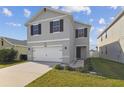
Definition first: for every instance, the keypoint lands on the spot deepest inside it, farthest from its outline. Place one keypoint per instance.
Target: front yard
(57, 78)
(109, 73)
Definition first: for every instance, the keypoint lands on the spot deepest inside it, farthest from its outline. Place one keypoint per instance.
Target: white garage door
(47, 54)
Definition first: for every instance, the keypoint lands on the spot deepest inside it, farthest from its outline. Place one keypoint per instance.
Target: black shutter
(51, 27)
(61, 25)
(39, 28)
(31, 29)
(76, 33)
(85, 32)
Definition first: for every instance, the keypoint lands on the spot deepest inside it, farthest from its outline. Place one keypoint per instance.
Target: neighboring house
(94, 53)
(19, 45)
(53, 35)
(111, 40)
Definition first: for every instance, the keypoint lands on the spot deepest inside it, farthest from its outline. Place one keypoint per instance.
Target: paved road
(21, 74)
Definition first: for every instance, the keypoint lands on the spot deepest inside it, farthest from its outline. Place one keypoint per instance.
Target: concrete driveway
(21, 74)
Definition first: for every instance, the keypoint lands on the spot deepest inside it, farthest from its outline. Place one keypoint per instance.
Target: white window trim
(36, 35)
(56, 32)
(56, 26)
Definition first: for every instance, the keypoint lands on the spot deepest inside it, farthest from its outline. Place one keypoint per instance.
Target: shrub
(90, 68)
(69, 68)
(59, 67)
(88, 65)
(81, 69)
(7, 55)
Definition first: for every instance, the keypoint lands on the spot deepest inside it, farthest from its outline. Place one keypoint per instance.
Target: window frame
(36, 29)
(57, 26)
(80, 32)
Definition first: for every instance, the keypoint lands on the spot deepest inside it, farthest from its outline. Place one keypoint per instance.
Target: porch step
(79, 63)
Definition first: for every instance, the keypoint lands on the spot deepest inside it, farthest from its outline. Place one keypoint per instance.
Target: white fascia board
(48, 46)
(66, 39)
(82, 45)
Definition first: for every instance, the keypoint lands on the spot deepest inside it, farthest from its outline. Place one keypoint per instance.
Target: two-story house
(111, 40)
(53, 35)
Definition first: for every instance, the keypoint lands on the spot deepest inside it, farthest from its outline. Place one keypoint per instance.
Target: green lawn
(108, 68)
(109, 73)
(10, 64)
(57, 78)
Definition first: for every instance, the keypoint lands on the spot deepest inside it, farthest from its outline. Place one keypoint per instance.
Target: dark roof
(113, 22)
(15, 41)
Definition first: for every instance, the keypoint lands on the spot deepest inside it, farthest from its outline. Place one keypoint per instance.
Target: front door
(78, 52)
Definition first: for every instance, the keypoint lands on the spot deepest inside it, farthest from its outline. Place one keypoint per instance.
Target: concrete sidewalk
(21, 74)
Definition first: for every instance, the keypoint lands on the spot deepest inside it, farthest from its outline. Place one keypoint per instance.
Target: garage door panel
(47, 54)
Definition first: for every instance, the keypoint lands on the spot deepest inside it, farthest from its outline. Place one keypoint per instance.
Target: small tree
(7, 55)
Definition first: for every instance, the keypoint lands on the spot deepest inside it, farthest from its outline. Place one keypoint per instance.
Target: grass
(109, 74)
(108, 68)
(57, 78)
(3, 65)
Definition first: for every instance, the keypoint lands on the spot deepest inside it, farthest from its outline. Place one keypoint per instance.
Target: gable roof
(15, 42)
(77, 22)
(54, 10)
(47, 8)
(113, 22)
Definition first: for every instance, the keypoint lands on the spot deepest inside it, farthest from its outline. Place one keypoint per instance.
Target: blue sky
(12, 19)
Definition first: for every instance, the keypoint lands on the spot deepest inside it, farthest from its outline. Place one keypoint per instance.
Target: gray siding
(45, 31)
(66, 38)
(114, 42)
(83, 41)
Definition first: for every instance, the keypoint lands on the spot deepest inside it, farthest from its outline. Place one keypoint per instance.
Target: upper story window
(56, 26)
(81, 32)
(36, 29)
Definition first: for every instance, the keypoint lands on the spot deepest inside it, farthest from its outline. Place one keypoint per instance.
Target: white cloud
(27, 13)
(102, 21)
(7, 12)
(55, 7)
(91, 41)
(114, 7)
(111, 18)
(13, 24)
(91, 20)
(71, 9)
